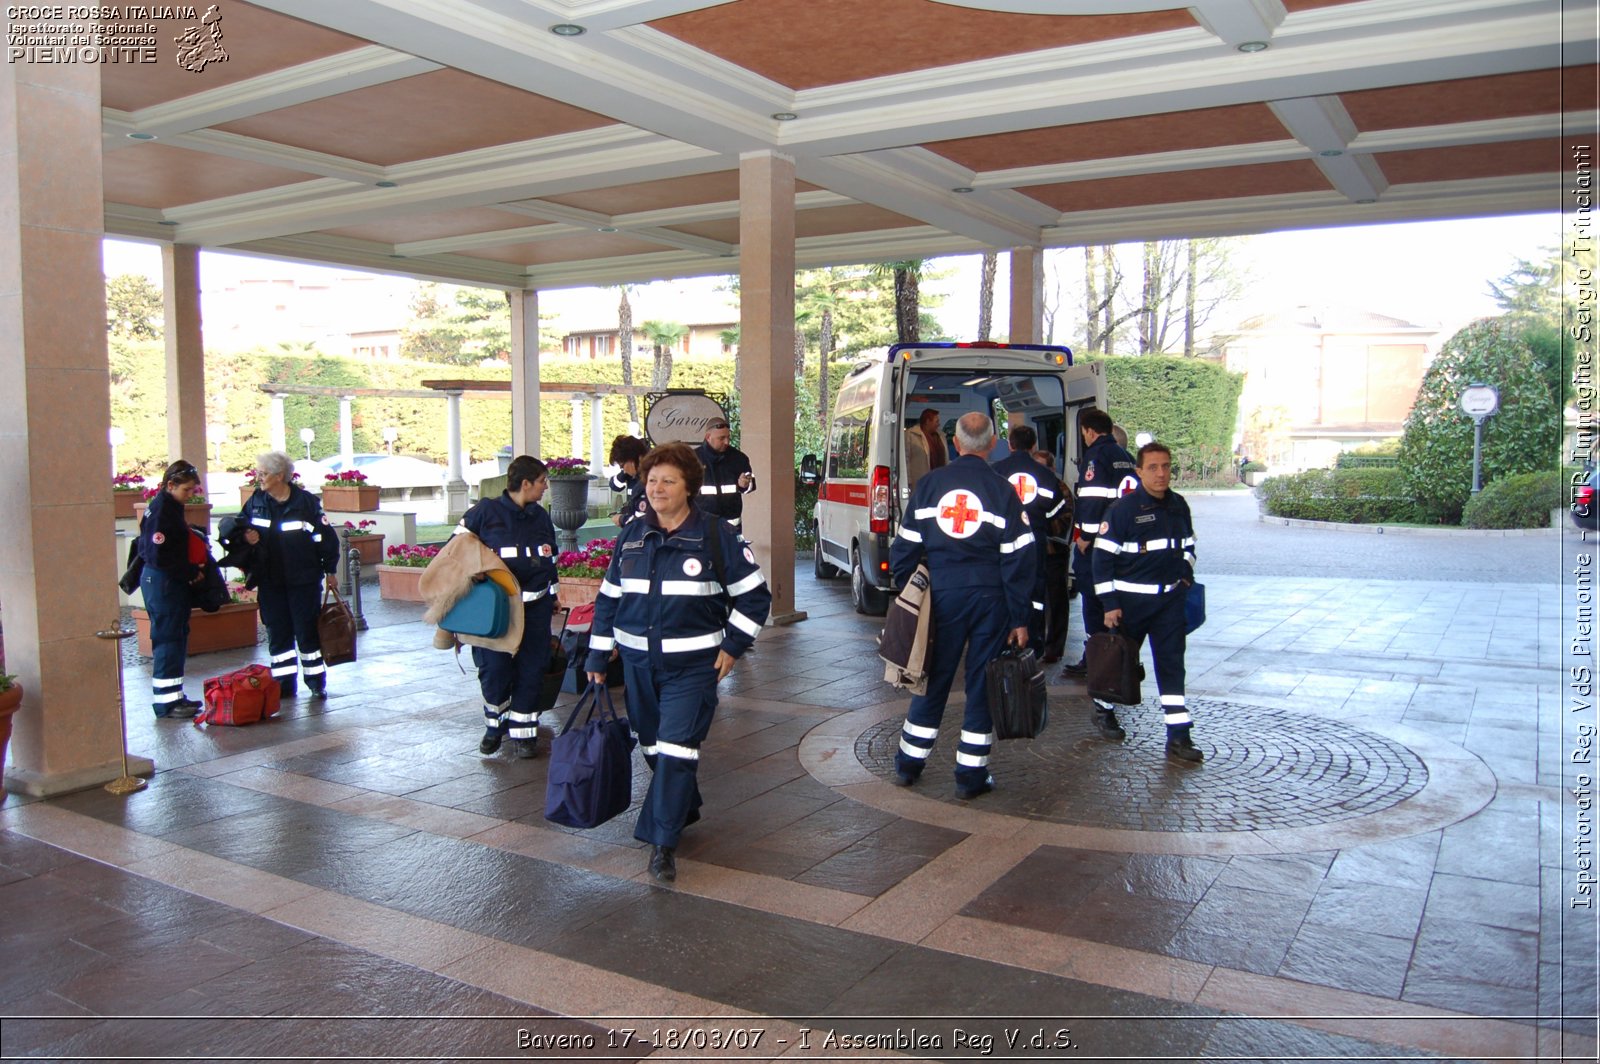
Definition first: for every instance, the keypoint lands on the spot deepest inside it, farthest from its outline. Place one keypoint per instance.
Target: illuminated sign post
(1479, 401)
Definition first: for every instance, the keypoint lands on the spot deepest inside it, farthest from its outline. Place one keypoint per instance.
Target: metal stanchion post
(353, 567)
(344, 564)
(127, 783)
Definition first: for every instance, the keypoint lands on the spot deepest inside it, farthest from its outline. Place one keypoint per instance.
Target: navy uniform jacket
(298, 545)
(1107, 476)
(1038, 489)
(720, 494)
(633, 489)
(965, 519)
(523, 536)
(661, 596)
(164, 538)
(1145, 548)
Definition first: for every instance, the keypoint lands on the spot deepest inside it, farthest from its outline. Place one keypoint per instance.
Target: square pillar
(58, 563)
(1027, 295)
(766, 354)
(525, 372)
(186, 355)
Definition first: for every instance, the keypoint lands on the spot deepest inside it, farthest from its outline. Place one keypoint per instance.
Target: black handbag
(591, 765)
(129, 581)
(1019, 707)
(1114, 672)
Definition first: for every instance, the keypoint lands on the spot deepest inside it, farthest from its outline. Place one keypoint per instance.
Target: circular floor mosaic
(1264, 769)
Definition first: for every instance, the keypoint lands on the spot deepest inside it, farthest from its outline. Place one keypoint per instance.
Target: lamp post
(306, 436)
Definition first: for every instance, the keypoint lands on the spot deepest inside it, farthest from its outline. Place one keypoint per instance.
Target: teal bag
(485, 611)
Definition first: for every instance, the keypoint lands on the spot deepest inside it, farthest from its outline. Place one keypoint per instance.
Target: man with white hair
(964, 520)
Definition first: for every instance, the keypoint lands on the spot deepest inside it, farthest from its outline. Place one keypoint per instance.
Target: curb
(1404, 530)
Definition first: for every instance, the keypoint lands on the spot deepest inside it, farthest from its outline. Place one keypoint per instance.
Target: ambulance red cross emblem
(960, 515)
(1027, 487)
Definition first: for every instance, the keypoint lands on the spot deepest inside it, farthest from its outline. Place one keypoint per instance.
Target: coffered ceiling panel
(161, 177)
(1225, 182)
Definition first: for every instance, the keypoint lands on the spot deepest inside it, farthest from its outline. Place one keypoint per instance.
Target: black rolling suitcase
(1114, 672)
(1018, 706)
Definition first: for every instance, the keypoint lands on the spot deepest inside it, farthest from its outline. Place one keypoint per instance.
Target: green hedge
(1356, 496)
(1521, 501)
(1188, 404)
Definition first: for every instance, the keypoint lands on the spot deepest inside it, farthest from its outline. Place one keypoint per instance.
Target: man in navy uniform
(728, 478)
(965, 521)
(1143, 567)
(1042, 498)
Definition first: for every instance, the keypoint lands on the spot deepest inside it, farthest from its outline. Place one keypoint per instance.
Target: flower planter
(245, 491)
(577, 590)
(349, 498)
(399, 582)
(10, 702)
(123, 503)
(231, 627)
(194, 513)
(569, 507)
(369, 547)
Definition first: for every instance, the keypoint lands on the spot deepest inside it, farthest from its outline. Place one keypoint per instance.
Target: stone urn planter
(400, 582)
(569, 507)
(231, 627)
(349, 498)
(123, 503)
(577, 590)
(194, 513)
(10, 702)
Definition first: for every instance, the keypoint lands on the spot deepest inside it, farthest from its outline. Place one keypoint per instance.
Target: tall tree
(1191, 267)
(625, 348)
(991, 263)
(463, 327)
(664, 336)
(134, 308)
(907, 276)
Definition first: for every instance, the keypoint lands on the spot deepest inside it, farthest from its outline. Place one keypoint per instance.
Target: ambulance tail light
(878, 501)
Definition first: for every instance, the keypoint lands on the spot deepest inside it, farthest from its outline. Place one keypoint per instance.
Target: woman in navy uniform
(1143, 567)
(683, 599)
(1042, 497)
(517, 528)
(296, 553)
(625, 454)
(174, 566)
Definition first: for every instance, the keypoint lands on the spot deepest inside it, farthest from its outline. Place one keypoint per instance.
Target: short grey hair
(974, 432)
(275, 462)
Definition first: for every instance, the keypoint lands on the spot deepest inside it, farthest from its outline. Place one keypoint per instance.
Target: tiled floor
(359, 861)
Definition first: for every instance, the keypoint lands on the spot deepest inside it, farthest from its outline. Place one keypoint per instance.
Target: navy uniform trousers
(167, 601)
(1094, 613)
(290, 613)
(973, 618)
(670, 710)
(1160, 617)
(511, 683)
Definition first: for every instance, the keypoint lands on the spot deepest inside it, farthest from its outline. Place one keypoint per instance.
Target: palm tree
(907, 300)
(991, 262)
(665, 335)
(625, 348)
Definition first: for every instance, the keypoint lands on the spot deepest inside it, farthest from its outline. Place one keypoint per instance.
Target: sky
(1428, 273)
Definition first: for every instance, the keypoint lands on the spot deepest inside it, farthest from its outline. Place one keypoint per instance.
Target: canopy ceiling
(520, 158)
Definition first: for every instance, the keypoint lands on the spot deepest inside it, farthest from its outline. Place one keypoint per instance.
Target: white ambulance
(867, 475)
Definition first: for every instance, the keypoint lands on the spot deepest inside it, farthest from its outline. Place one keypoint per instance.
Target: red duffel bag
(243, 696)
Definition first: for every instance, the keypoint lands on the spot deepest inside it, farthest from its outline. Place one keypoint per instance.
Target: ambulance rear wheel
(821, 568)
(867, 599)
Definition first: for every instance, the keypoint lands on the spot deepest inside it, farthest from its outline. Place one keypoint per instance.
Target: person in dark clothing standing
(1106, 474)
(1057, 568)
(296, 553)
(728, 478)
(517, 528)
(625, 454)
(174, 565)
(1042, 498)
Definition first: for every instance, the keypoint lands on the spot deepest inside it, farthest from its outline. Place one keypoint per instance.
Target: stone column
(1027, 295)
(525, 372)
(766, 353)
(58, 561)
(597, 435)
(280, 434)
(347, 447)
(186, 355)
(577, 426)
(455, 487)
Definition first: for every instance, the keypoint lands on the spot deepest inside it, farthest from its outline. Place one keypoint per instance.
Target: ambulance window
(847, 446)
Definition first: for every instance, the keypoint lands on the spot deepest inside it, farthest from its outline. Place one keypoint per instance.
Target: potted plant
(581, 572)
(248, 488)
(368, 544)
(10, 702)
(349, 492)
(127, 489)
(401, 572)
(197, 511)
(569, 496)
(233, 626)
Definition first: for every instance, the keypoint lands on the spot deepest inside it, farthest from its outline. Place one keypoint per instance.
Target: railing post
(353, 567)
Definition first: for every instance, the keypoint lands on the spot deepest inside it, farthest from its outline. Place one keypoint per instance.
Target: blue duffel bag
(1194, 608)
(485, 611)
(591, 765)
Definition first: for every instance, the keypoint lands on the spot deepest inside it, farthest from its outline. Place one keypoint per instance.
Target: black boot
(526, 749)
(663, 863)
(490, 741)
(1181, 748)
(1105, 722)
(1075, 671)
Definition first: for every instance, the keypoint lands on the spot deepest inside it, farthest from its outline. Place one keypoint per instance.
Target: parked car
(335, 463)
(1586, 502)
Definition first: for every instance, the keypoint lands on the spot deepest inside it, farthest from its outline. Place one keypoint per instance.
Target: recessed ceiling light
(606, 229)
(1367, 200)
(397, 256)
(784, 116)
(166, 222)
(141, 136)
(1253, 46)
(1049, 225)
(963, 189)
(1331, 153)
(568, 29)
(387, 184)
